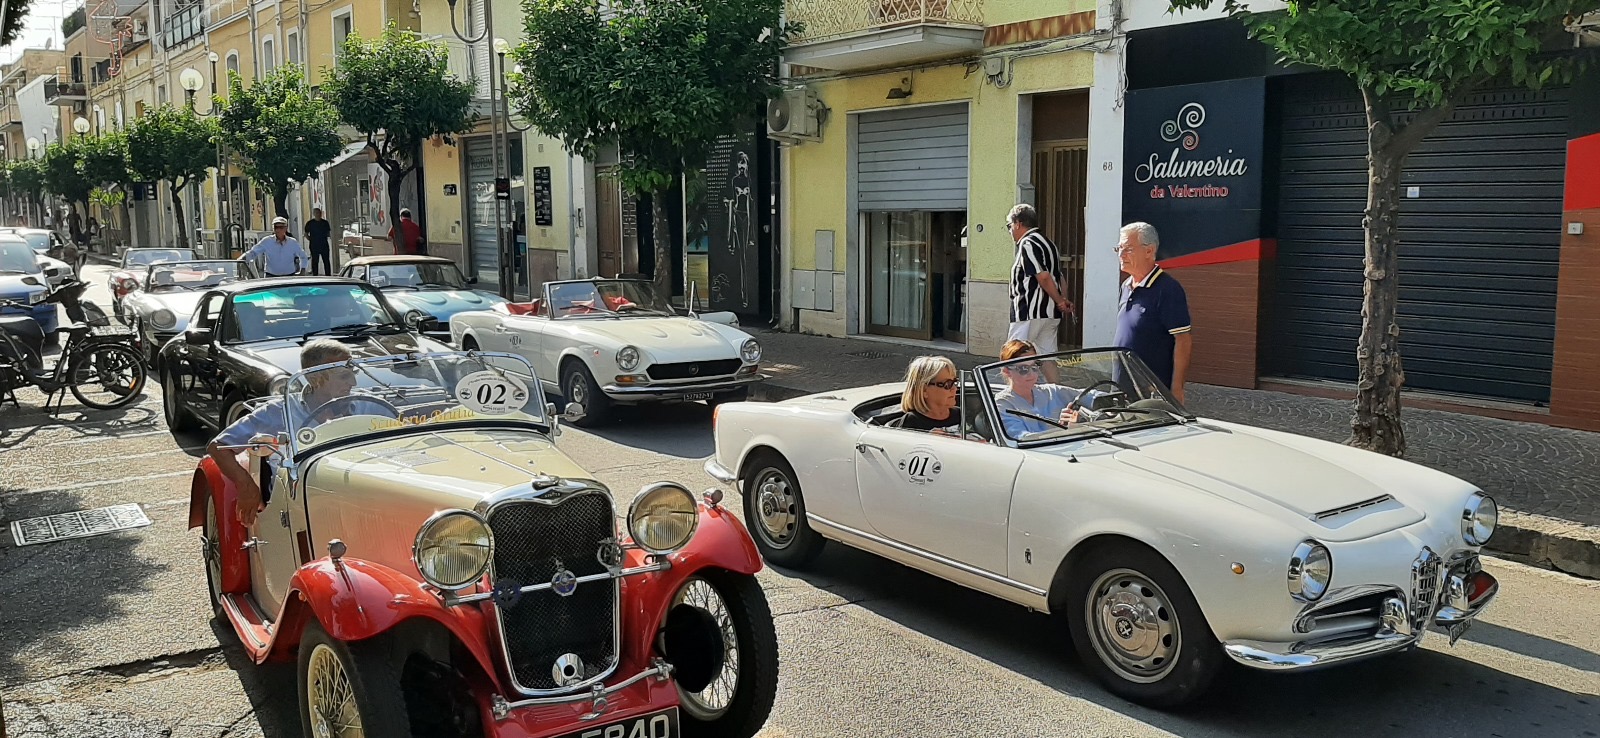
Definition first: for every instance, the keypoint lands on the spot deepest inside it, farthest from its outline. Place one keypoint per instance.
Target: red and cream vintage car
(437, 567)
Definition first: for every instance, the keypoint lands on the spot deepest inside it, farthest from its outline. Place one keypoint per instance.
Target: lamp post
(507, 254)
(34, 149)
(191, 80)
(80, 125)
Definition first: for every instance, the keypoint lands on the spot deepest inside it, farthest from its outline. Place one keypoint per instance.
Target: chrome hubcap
(577, 390)
(330, 697)
(713, 701)
(1132, 626)
(777, 508)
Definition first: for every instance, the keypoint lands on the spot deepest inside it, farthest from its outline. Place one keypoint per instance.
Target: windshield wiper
(356, 329)
(1040, 418)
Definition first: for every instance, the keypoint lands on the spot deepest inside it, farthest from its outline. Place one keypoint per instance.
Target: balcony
(57, 92)
(470, 63)
(10, 116)
(849, 35)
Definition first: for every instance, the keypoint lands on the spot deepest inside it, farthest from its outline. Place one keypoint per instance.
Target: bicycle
(97, 363)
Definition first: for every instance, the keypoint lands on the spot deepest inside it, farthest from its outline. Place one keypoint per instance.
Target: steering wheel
(331, 409)
(1077, 402)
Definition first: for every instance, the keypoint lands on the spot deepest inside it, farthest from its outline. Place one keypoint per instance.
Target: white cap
(280, 221)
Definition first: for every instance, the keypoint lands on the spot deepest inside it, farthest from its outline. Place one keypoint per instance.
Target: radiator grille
(694, 369)
(1424, 588)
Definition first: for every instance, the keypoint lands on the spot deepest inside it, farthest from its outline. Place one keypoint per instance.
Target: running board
(253, 627)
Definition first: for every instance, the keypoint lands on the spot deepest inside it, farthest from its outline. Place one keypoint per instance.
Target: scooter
(102, 368)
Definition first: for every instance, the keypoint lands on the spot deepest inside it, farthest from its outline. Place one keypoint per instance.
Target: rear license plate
(662, 724)
(692, 396)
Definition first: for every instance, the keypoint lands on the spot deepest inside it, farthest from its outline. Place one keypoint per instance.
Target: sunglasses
(946, 384)
(1026, 369)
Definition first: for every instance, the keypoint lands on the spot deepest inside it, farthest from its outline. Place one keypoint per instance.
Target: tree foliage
(658, 80)
(398, 91)
(16, 18)
(104, 160)
(27, 178)
(176, 146)
(1413, 61)
(279, 131)
(63, 171)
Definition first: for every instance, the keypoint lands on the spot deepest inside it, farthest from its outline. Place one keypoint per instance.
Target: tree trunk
(177, 212)
(1376, 425)
(397, 181)
(661, 234)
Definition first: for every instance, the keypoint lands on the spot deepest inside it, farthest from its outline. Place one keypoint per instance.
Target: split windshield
(1069, 395)
(185, 276)
(606, 298)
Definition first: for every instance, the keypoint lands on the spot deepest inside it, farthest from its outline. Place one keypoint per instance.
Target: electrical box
(804, 284)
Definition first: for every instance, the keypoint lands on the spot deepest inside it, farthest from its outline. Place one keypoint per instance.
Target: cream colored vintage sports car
(1168, 545)
(617, 341)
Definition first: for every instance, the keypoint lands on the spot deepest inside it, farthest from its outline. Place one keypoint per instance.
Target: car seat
(249, 322)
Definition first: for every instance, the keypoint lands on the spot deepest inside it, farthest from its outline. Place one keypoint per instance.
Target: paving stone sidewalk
(1550, 476)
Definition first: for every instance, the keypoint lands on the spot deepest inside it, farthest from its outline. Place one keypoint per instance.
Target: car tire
(369, 670)
(736, 702)
(775, 513)
(1137, 628)
(178, 419)
(577, 385)
(232, 410)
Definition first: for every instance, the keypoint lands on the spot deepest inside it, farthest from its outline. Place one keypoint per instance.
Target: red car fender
(720, 542)
(209, 482)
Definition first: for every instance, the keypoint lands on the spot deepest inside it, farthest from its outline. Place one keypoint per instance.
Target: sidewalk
(1546, 480)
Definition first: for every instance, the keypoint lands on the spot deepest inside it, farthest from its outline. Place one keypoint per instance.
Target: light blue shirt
(280, 257)
(1048, 402)
(268, 418)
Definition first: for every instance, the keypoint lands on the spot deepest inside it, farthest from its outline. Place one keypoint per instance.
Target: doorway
(608, 216)
(1060, 180)
(918, 266)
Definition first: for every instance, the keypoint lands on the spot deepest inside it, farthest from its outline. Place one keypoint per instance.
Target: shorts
(1043, 333)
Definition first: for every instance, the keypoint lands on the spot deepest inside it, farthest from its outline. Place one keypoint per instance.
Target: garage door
(912, 159)
(1480, 232)
(483, 231)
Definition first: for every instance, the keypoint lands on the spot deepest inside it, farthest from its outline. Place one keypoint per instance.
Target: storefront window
(917, 267)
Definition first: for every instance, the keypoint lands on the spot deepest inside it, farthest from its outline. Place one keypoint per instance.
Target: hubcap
(331, 699)
(1133, 626)
(776, 507)
(713, 701)
(578, 390)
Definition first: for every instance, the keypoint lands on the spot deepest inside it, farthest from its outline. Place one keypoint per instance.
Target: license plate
(662, 724)
(1459, 629)
(692, 396)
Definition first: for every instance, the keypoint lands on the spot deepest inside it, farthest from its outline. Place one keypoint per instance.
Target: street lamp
(81, 125)
(34, 146)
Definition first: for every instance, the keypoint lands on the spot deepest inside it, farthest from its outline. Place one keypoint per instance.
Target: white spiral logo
(1185, 126)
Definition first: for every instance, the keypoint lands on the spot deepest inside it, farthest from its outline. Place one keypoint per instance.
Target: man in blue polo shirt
(1153, 315)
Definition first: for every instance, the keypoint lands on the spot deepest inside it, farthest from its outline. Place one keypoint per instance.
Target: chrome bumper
(596, 697)
(720, 472)
(668, 391)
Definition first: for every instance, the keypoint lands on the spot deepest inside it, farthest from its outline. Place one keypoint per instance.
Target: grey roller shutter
(913, 159)
(1480, 242)
(483, 231)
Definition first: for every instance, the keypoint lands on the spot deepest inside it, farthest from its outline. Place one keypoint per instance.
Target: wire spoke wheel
(332, 699)
(1133, 626)
(211, 551)
(107, 376)
(713, 702)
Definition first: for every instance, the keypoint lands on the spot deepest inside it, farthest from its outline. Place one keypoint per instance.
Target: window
(291, 47)
(161, 93)
(268, 61)
(233, 62)
(343, 26)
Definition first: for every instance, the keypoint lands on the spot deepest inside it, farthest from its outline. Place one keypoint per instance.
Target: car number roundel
(491, 393)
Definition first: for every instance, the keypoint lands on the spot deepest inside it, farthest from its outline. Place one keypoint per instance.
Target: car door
(205, 360)
(190, 361)
(274, 556)
(941, 494)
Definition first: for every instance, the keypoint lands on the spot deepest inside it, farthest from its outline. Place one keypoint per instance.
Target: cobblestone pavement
(1529, 468)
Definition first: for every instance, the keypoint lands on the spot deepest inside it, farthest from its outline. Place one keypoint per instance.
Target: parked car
(427, 290)
(243, 342)
(125, 278)
(41, 240)
(1168, 545)
(167, 295)
(617, 341)
(23, 280)
(437, 567)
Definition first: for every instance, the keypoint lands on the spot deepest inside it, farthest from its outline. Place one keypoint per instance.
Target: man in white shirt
(283, 255)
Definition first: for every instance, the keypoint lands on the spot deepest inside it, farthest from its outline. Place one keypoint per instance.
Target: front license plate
(692, 396)
(1459, 629)
(662, 724)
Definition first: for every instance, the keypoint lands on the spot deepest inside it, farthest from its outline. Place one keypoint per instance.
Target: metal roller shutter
(913, 159)
(1480, 242)
(483, 231)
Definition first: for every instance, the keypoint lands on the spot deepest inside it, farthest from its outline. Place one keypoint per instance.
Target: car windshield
(185, 276)
(39, 242)
(17, 258)
(606, 298)
(146, 257)
(1073, 394)
(417, 276)
(359, 397)
(300, 311)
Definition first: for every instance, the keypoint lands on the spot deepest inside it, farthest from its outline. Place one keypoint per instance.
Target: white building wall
(38, 119)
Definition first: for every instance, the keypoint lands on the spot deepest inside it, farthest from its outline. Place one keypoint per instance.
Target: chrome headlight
(662, 518)
(453, 548)
(1310, 570)
(163, 319)
(628, 358)
(1479, 519)
(414, 319)
(750, 351)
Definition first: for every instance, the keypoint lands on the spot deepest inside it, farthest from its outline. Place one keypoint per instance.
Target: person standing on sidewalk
(406, 235)
(1153, 315)
(282, 254)
(318, 232)
(1037, 300)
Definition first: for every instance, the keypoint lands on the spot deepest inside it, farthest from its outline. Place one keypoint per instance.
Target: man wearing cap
(282, 254)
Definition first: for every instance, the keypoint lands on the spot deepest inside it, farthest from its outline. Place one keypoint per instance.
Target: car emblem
(564, 583)
(694, 369)
(1124, 628)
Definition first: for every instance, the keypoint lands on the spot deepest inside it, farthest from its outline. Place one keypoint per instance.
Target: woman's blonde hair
(921, 373)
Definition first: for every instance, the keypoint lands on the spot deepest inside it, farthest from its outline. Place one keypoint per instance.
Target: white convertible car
(616, 341)
(1168, 545)
(165, 296)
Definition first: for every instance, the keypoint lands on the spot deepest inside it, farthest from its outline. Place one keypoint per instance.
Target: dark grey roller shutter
(1480, 243)
(483, 232)
(913, 159)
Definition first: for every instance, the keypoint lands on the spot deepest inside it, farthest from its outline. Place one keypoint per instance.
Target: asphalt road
(111, 636)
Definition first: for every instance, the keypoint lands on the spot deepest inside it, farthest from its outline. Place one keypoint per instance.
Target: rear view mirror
(197, 336)
(574, 412)
(263, 445)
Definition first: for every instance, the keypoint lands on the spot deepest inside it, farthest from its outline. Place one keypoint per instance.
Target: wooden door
(608, 214)
(1060, 179)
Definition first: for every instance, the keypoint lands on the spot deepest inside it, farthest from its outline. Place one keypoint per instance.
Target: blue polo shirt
(1150, 314)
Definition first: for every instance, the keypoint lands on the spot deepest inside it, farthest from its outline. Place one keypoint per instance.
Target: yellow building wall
(233, 38)
(1001, 12)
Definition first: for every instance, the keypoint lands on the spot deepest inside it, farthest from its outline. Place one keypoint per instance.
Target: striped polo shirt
(1035, 254)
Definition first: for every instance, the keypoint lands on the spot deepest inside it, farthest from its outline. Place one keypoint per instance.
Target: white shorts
(1043, 333)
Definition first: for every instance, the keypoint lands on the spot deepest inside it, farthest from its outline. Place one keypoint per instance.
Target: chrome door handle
(862, 447)
(252, 543)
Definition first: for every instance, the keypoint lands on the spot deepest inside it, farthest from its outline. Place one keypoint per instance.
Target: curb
(1535, 540)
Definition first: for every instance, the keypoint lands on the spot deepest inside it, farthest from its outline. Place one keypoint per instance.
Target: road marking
(96, 439)
(105, 483)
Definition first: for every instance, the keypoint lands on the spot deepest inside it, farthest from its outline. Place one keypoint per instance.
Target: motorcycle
(100, 366)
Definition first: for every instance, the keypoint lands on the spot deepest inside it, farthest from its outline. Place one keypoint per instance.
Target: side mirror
(472, 280)
(555, 420)
(32, 280)
(263, 445)
(197, 336)
(574, 412)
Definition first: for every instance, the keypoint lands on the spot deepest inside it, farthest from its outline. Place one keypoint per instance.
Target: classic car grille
(694, 369)
(1424, 588)
(1353, 619)
(533, 541)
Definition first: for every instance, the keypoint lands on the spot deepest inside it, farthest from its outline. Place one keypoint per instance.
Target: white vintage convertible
(1168, 544)
(616, 341)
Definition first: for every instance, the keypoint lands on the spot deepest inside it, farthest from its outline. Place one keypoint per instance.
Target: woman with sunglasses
(1025, 393)
(929, 400)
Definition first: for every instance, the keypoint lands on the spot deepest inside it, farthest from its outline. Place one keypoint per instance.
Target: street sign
(449, 190)
(502, 188)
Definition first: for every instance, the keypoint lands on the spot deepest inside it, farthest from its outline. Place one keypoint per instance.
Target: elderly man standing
(283, 255)
(1153, 315)
(1037, 300)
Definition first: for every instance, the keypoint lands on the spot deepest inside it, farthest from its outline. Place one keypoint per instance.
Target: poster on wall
(723, 224)
(1193, 166)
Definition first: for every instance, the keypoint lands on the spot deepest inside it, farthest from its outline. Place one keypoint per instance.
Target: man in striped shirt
(1153, 315)
(1037, 298)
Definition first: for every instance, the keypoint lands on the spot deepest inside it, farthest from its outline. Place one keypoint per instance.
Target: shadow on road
(18, 425)
(270, 687)
(682, 430)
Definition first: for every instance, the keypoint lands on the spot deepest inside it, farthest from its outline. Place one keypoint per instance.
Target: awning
(350, 151)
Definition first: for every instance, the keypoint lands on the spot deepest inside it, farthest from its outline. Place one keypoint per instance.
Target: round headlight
(750, 351)
(414, 318)
(1479, 519)
(628, 358)
(163, 319)
(452, 549)
(663, 518)
(1310, 570)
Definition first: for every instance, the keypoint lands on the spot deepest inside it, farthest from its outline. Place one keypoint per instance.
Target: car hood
(666, 339)
(442, 304)
(11, 285)
(285, 354)
(1328, 499)
(181, 304)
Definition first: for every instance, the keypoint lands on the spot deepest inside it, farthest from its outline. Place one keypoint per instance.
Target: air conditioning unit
(795, 116)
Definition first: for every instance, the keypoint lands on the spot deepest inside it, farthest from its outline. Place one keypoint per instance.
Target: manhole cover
(870, 354)
(78, 524)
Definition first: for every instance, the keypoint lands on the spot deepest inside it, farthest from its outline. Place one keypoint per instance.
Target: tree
(16, 14)
(659, 80)
(27, 179)
(397, 90)
(105, 162)
(176, 146)
(63, 176)
(279, 130)
(1413, 61)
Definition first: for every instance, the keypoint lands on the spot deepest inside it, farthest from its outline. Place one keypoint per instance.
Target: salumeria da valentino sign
(1184, 130)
